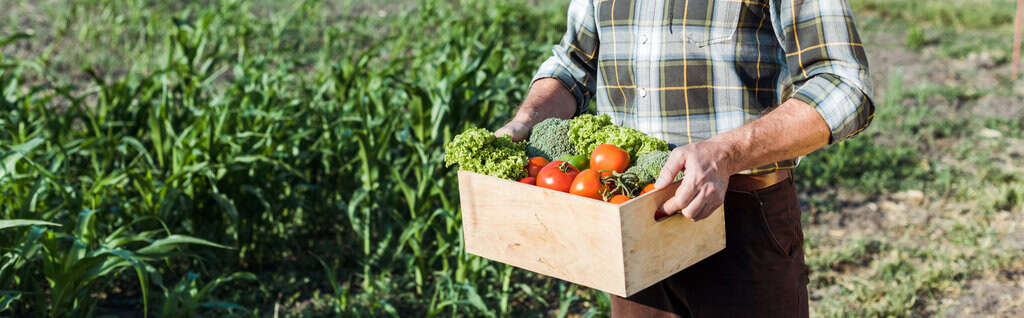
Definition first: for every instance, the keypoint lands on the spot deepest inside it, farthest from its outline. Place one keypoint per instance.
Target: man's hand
(547, 98)
(791, 130)
(704, 184)
(515, 129)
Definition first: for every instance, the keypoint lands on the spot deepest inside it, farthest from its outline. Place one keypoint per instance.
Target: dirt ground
(897, 216)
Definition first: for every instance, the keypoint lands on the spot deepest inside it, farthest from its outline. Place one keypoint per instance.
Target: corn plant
(186, 297)
(296, 146)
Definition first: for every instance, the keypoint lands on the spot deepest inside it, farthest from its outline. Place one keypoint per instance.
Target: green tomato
(581, 162)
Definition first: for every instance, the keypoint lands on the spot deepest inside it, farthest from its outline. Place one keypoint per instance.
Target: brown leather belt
(743, 182)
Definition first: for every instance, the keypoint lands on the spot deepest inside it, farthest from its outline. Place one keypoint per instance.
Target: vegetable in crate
(588, 131)
(557, 175)
(581, 162)
(630, 140)
(550, 139)
(583, 131)
(535, 164)
(621, 183)
(618, 199)
(478, 150)
(648, 166)
(588, 184)
(648, 188)
(609, 158)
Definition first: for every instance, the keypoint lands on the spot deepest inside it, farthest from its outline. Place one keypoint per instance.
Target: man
(742, 88)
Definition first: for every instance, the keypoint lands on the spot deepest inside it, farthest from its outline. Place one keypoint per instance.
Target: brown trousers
(761, 272)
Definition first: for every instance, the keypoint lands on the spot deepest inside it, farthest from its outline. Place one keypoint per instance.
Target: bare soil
(894, 215)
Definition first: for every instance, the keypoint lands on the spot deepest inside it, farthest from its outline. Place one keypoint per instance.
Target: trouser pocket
(780, 217)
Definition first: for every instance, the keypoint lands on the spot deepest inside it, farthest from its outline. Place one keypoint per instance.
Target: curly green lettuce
(631, 140)
(550, 139)
(650, 144)
(583, 131)
(478, 150)
(588, 131)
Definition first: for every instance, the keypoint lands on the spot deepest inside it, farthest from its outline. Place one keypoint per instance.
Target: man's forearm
(791, 130)
(547, 98)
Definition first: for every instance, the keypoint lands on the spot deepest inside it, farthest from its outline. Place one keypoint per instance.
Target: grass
(975, 14)
(164, 158)
(956, 29)
(900, 257)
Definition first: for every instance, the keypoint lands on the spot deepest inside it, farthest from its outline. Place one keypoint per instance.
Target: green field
(265, 158)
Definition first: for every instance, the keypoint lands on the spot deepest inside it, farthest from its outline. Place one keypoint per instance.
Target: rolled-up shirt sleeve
(574, 61)
(826, 62)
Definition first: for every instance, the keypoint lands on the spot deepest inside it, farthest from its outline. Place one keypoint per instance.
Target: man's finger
(716, 198)
(684, 194)
(693, 210)
(675, 163)
(517, 133)
(706, 212)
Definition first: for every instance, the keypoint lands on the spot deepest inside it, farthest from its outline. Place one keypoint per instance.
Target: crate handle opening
(660, 216)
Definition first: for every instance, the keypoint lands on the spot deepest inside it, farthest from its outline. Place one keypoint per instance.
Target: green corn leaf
(7, 297)
(140, 271)
(249, 159)
(165, 245)
(139, 148)
(227, 205)
(14, 37)
(567, 298)
(206, 290)
(174, 297)
(125, 239)
(14, 223)
(331, 276)
(86, 230)
(10, 158)
(223, 305)
(475, 300)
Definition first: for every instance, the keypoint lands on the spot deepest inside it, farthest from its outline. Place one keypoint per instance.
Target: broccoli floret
(477, 150)
(583, 131)
(550, 139)
(648, 167)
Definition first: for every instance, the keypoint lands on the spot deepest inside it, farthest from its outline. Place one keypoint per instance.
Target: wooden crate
(619, 249)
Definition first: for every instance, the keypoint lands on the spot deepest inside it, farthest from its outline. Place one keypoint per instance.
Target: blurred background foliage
(257, 158)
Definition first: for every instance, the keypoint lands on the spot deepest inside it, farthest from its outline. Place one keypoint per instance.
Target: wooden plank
(654, 250)
(553, 233)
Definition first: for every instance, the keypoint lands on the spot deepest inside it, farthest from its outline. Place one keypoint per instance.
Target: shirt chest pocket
(703, 23)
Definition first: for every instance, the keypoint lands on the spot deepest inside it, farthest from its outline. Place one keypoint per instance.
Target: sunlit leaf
(14, 223)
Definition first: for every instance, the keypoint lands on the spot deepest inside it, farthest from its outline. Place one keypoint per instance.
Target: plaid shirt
(684, 71)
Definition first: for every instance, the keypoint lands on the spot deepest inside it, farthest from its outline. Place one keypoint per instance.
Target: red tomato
(609, 157)
(648, 188)
(529, 180)
(587, 184)
(535, 164)
(618, 199)
(557, 175)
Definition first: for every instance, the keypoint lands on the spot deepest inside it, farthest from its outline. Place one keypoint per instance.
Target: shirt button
(643, 92)
(643, 39)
